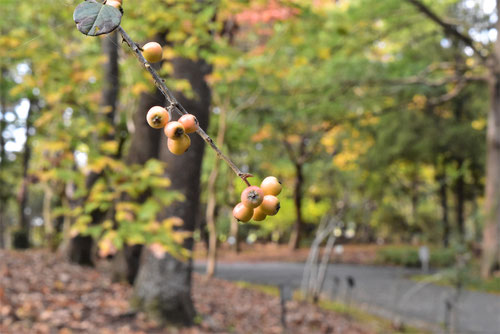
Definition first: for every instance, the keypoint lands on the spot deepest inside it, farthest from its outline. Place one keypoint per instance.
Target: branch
(176, 106)
(448, 96)
(448, 28)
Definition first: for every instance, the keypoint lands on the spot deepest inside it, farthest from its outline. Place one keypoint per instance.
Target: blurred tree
(491, 62)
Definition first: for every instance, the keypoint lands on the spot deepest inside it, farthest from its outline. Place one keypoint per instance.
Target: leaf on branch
(94, 19)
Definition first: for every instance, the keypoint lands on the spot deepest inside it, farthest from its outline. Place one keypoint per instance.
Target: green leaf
(93, 19)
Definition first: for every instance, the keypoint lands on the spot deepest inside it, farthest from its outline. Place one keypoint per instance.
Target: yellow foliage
(110, 146)
(324, 53)
(479, 124)
(301, 61)
(418, 102)
(139, 88)
(221, 61)
(263, 134)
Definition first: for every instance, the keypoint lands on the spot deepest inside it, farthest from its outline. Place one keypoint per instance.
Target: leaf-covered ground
(42, 294)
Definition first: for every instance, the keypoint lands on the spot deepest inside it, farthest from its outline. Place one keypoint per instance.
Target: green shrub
(407, 256)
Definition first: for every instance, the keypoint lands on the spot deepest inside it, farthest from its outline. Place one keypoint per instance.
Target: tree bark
(163, 285)
(492, 191)
(212, 198)
(293, 244)
(491, 233)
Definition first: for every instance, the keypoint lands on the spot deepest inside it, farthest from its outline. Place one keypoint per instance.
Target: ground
(40, 293)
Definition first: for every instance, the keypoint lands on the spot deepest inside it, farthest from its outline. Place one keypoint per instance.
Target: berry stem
(175, 105)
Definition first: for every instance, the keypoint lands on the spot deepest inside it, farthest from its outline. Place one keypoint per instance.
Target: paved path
(380, 290)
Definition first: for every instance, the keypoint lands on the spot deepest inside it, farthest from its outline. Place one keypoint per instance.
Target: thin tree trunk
(23, 192)
(163, 285)
(297, 199)
(443, 195)
(460, 202)
(212, 198)
(3, 195)
(49, 228)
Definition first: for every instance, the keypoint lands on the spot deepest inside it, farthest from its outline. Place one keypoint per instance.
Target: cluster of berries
(259, 202)
(176, 131)
(256, 202)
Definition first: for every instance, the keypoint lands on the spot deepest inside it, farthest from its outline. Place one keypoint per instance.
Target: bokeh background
(380, 118)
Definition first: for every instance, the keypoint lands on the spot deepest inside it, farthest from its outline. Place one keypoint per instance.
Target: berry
(157, 117)
(270, 205)
(271, 186)
(114, 3)
(180, 145)
(190, 123)
(258, 215)
(174, 130)
(242, 213)
(252, 196)
(152, 51)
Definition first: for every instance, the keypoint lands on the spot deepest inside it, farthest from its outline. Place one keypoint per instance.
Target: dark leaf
(95, 19)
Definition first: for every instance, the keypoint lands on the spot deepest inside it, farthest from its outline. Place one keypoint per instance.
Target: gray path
(380, 290)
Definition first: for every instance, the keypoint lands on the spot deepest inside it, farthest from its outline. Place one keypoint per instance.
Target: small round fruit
(252, 196)
(157, 117)
(190, 123)
(258, 215)
(174, 130)
(270, 205)
(114, 3)
(242, 213)
(271, 186)
(179, 146)
(152, 51)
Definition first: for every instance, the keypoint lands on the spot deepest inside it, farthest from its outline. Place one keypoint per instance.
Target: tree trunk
(3, 197)
(212, 198)
(460, 202)
(492, 191)
(443, 195)
(293, 244)
(491, 233)
(82, 245)
(163, 285)
(22, 199)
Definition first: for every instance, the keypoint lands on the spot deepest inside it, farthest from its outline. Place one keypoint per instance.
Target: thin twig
(174, 105)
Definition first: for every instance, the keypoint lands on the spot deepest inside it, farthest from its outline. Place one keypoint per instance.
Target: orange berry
(271, 186)
(242, 213)
(114, 3)
(174, 130)
(180, 145)
(258, 214)
(153, 52)
(190, 123)
(252, 196)
(270, 205)
(157, 117)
